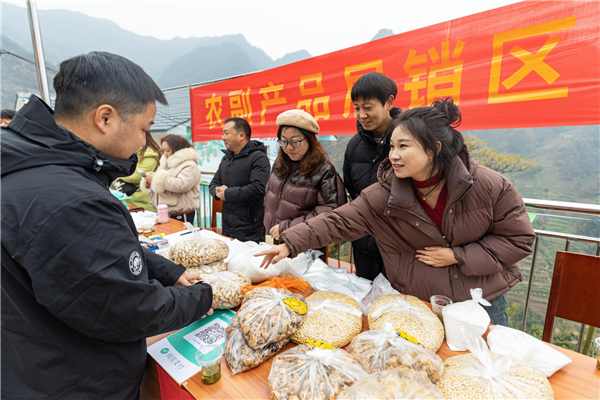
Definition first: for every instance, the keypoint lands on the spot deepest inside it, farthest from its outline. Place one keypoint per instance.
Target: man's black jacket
(79, 294)
(245, 175)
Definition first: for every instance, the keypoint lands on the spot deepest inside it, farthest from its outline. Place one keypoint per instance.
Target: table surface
(577, 380)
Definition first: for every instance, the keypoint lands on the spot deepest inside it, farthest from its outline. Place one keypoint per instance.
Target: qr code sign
(211, 334)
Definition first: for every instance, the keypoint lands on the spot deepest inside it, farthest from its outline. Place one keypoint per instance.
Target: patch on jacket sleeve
(135, 263)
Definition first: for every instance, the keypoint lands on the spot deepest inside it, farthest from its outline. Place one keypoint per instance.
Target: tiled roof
(177, 112)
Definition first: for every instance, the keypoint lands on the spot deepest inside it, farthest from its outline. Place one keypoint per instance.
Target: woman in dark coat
(443, 223)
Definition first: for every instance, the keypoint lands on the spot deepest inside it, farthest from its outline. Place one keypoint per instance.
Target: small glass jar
(163, 213)
(209, 358)
(438, 302)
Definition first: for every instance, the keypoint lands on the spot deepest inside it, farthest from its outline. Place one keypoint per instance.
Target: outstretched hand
(273, 255)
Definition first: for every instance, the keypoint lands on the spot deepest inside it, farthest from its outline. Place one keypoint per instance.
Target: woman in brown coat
(443, 223)
(303, 183)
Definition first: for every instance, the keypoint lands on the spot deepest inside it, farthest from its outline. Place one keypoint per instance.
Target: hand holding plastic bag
(226, 288)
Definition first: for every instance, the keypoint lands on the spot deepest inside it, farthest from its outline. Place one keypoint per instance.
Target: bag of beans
(242, 357)
(269, 315)
(393, 384)
(307, 373)
(486, 375)
(227, 288)
(411, 316)
(383, 349)
(334, 318)
(198, 251)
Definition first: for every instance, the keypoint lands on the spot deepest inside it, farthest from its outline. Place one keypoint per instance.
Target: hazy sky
(277, 27)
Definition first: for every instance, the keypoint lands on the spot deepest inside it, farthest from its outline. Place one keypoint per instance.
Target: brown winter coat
(485, 223)
(293, 199)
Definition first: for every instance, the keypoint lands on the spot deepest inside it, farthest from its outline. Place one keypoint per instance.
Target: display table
(578, 380)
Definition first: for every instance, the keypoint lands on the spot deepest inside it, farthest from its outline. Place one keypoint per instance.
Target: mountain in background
(67, 33)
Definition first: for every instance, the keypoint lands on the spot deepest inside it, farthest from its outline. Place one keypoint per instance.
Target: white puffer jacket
(176, 182)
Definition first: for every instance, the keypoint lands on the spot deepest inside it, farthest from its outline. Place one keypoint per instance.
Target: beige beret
(298, 119)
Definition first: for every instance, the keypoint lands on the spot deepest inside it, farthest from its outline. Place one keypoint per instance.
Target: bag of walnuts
(392, 384)
(196, 252)
(242, 357)
(269, 315)
(410, 315)
(227, 288)
(332, 317)
(486, 375)
(383, 349)
(305, 373)
(210, 268)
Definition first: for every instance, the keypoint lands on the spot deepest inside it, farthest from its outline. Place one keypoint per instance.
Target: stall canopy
(530, 64)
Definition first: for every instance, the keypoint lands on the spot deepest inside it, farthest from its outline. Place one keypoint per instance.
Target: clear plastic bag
(486, 375)
(210, 268)
(305, 373)
(465, 313)
(332, 317)
(391, 385)
(242, 357)
(196, 252)
(270, 315)
(527, 349)
(383, 349)
(381, 287)
(411, 315)
(227, 288)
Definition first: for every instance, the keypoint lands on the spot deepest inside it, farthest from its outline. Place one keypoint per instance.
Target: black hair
(241, 125)
(8, 114)
(430, 125)
(85, 82)
(374, 86)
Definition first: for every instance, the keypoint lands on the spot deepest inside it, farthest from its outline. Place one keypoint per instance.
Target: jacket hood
(252, 145)
(368, 135)
(35, 140)
(179, 157)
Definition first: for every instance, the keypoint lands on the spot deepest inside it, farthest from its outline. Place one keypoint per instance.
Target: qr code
(212, 334)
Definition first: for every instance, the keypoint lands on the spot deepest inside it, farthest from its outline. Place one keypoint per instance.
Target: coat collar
(179, 157)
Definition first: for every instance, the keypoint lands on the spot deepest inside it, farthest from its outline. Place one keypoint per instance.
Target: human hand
(149, 176)
(220, 192)
(275, 232)
(188, 279)
(211, 310)
(437, 256)
(273, 255)
(117, 184)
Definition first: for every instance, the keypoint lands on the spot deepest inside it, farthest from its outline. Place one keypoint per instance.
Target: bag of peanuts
(242, 357)
(196, 252)
(410, 315)
(383, 349)
(210, 268)
(391, 384)
(332, 317)
(486, 375)
(269, 315)
(227, 288)
(288, 282)
(306, 373)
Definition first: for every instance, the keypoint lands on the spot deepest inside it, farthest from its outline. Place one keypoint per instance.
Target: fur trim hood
(180, 156)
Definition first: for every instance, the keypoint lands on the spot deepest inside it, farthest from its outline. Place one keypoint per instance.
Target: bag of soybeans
(334, 318)
(383, 349)
(411, 316)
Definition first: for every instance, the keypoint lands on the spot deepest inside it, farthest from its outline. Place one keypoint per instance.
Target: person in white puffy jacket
(176, 182)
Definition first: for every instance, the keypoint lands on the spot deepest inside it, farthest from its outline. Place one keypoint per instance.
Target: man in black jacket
(79, 294)
(240, 182)
(373, 96)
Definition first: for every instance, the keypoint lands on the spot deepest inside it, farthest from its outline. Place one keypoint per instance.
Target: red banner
(530, 64)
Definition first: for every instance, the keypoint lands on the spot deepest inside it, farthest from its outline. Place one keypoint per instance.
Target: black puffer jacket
(79, 294)
(245, 175)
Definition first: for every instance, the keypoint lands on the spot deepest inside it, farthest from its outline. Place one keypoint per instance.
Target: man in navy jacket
(79, 294)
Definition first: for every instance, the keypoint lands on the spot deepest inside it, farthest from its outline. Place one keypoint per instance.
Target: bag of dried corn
(306, 373)
(382, 349)
(332, 317)
(269, 315)
(242, 357)
(486, 375)
(227, 288)
(393, 384)
(410, 315)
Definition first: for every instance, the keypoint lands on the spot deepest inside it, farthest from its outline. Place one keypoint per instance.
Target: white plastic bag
(527, 349)
(486, 375)
(381, 287)
(246, 263)
(468, 313)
